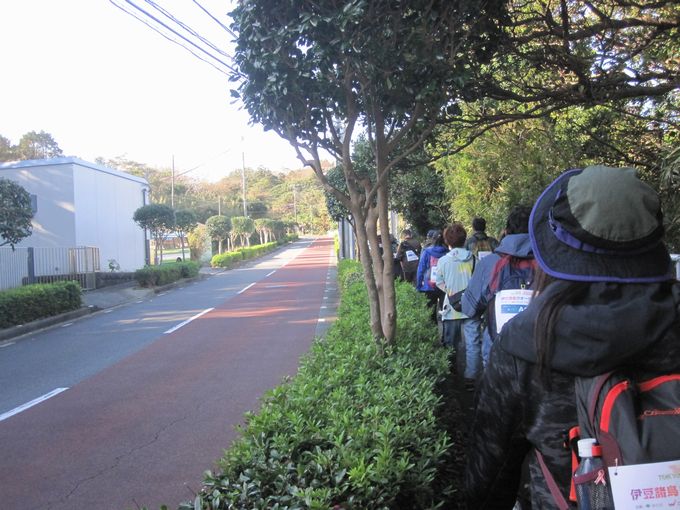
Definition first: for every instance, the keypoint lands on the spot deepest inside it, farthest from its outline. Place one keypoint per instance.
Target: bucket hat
(600, 224)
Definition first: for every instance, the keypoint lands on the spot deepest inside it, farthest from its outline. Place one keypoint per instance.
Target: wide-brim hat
(600, 224)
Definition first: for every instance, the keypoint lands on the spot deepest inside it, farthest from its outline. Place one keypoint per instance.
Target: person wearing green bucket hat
(605, 297)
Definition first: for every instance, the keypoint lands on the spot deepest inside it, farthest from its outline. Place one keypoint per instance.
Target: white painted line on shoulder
(7, 344)
(30, 404)
(67, 325)
(271, 273)
(245, 288)
(175, 328)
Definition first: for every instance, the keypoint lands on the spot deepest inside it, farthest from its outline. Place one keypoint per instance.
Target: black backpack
(635, 419)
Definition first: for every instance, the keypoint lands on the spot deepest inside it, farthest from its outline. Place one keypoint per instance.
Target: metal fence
(23, 266)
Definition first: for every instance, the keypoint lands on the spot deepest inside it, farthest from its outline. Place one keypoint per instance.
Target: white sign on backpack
(655, 485)
(510, 302)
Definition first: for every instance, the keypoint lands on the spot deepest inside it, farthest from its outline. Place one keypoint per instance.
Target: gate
(23, 266)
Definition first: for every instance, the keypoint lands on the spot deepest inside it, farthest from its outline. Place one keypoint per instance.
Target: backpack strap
(496, 273)
(595, 395)
(555, 492)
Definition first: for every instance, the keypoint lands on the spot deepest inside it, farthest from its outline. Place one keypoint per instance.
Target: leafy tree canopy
(15, 213)
(34, 145)
(559, 54)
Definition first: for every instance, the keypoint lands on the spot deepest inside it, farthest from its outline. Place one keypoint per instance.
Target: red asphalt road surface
(142, 432)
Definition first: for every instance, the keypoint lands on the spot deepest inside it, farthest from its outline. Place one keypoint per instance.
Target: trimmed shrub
(229, 259)
(354, 429)
(32, 302)
(226, 260)
(152, 276)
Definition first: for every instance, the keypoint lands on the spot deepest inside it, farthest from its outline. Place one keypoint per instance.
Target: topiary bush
(230, 259)
(32, 302)
(152, 276)
(354, 429)
(226, 260)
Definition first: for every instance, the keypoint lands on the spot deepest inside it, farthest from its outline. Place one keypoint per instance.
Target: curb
(30, 327)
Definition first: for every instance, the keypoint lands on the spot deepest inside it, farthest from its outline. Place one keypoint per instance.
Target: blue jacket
(473, 302)
(422, 282)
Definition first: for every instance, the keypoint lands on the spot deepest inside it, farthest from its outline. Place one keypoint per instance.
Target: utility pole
(295, 203)
(172, 184)
(243, 177)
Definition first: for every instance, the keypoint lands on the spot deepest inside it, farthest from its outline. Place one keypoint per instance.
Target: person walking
(479, 243)
(515, 243)
(606, 297)
(455, 269)
(426, 276)
(408, 256)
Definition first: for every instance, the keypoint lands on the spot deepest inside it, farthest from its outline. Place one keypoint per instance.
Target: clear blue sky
(104, 84)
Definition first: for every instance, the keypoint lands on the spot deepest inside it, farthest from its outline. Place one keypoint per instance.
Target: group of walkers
(580, 285)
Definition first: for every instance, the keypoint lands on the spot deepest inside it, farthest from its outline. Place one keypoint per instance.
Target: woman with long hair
(606, 298)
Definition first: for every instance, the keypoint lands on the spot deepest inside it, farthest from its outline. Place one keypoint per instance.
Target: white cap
(585, 447)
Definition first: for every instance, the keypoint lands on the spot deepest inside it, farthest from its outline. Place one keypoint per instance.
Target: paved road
(143, 428)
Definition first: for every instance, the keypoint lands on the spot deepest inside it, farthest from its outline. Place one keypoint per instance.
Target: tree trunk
(373, 296)
(388, 304)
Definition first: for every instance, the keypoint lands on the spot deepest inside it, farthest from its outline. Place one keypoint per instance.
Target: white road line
(7, 344)
(30, 404)
(67, 325)
(269, 274)
(175, 328)
(245, 289)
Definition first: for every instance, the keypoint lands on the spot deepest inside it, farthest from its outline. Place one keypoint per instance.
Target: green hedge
(151, 276)
(353, 430)
(229, 259)
(31, 302)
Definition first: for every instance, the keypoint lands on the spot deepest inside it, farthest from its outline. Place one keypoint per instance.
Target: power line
(145, 13)
(225, 27)
(186, 27)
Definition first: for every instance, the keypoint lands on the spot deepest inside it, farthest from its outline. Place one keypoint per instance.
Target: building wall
(83, 204)
(52, 185)
(106, 202)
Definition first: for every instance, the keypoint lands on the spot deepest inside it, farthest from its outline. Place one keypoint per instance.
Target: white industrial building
(81, 204)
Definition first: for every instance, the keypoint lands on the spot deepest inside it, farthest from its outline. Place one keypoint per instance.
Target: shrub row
(32, 302)
(231, 258)
(151, 276)
(355, 429)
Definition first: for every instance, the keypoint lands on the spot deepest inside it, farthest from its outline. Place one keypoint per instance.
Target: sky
(103, 84)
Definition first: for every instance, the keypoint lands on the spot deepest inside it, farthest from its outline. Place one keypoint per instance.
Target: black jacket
(632, 325)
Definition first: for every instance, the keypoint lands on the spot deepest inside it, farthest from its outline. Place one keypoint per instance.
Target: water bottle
(590, 478)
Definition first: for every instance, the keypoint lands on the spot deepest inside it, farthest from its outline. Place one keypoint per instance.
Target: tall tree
(242, 227)
(185, 222)
(557, 54)
(34, 145)
(219, 229)
(15, 213)
(7, 152)
(159, 220)
(316, 73)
